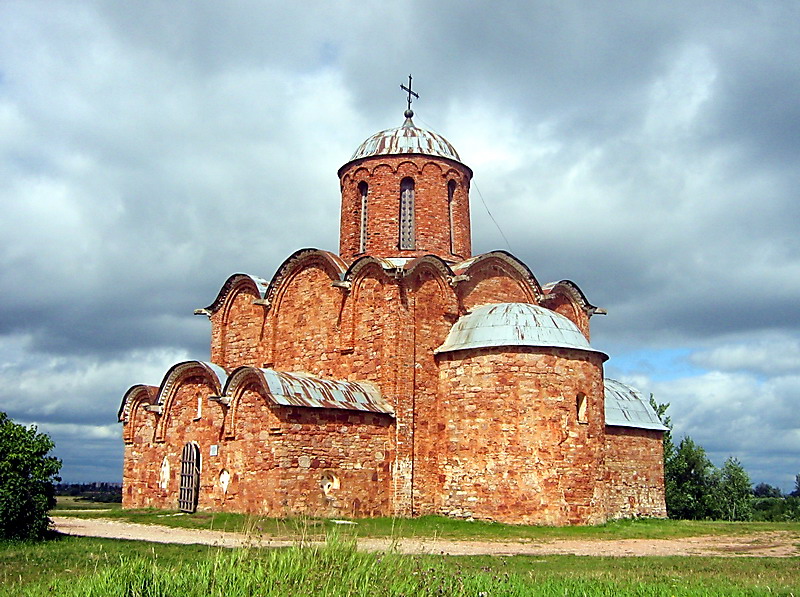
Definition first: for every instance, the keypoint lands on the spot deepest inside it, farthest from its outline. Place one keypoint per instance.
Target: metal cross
(410, 93)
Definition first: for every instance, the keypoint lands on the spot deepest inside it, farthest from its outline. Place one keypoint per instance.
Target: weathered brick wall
(435, 309)
(241, 322)
(432, 209)
(275, 458)
(488, 283)
(305, 322)
(635, 463)
(513, 449)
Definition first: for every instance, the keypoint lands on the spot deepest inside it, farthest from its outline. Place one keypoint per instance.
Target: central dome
(406, 139)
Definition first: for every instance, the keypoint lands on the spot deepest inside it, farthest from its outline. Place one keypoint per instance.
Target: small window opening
(363, 190)
(328, 483)
(451, 191)
(163, 477)
(224, 480)
(407, 240)
(580, 407)
(199, 413)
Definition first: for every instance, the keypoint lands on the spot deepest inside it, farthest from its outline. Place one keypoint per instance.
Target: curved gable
(135, 399)
(496, 277)
(209, 374)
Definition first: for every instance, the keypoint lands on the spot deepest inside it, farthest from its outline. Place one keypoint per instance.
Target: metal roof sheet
(514, 324)
(406, 139)
(626, 407)
(300, 389)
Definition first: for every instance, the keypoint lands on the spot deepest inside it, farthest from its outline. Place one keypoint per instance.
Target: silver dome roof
(514, 324)
(406, 139)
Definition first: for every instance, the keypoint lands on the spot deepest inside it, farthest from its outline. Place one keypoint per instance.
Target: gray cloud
(646, 152)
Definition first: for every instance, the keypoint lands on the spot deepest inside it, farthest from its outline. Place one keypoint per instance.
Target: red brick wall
(490, 282)
(240, 324)
(635, 462)
(276, 457)
(432, 212)
(305, 321)
(513, 449)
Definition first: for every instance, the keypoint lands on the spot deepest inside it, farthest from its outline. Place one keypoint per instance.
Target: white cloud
(648, 153)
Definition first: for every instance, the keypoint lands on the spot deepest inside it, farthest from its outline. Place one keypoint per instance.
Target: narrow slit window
(451, 191)
(363, 191)
(580, 407)
(407, 240)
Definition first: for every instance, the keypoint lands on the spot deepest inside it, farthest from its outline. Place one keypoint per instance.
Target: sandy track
(769, 544)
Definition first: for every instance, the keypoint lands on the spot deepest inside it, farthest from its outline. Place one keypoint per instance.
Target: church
(403, 376)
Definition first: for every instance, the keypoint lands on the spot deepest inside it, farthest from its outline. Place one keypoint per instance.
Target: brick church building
(403, 376)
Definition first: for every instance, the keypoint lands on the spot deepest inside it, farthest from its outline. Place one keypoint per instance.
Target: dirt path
(769, 544)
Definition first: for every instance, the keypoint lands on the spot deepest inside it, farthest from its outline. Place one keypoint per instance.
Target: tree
(688, 477)
(27, 476)
(796, 492)
(731, 492)
(765, 490)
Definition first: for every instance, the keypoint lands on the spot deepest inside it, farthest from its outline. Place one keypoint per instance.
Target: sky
(650, 152)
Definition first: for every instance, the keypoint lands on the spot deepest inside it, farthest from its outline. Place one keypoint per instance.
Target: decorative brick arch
(132, 408)
(235, 282)
(515, 280)
(240, 381)
(361, 270)
(296, 262)
(177, 375)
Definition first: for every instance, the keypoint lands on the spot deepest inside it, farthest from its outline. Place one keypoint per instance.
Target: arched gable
(368, 283)
(242, 384)
(306, 306)
(238, 327)
(257, 285)
(566, 297)
(328, 261)
(131, 409)
(496, 277)
(211, 375)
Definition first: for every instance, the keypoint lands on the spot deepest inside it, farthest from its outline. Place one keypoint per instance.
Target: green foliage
(688, 479)
(796, 492)
(694, 488)
(96, 568)
(771, 509)
(765, 490)
(27, 475)
(731, 492)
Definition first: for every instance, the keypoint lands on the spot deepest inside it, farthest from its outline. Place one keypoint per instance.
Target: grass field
(102, 567)
(424, 526)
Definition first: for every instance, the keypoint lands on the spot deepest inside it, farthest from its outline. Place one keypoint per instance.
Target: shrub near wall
(27, 476)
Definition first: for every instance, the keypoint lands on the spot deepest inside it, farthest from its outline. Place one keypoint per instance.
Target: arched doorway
(190, 477)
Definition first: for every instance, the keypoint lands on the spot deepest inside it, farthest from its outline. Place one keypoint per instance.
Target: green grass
(69, 503)
(435, 526)
(98, 568)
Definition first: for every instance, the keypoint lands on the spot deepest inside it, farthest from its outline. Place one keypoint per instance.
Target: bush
(27, 475)
(771, 509)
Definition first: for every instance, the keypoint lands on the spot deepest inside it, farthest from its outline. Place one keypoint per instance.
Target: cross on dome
(409, 112)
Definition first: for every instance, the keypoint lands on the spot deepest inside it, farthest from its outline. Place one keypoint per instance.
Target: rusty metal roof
(626, 407)
(406, 139)
(300, 389)
(514, 324)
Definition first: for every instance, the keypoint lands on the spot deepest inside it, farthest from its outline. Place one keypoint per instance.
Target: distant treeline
(92, 492)
(695, 489)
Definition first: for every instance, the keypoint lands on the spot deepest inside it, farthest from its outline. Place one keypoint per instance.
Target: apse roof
(406, 139)
(514, 324)
(626, 407)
